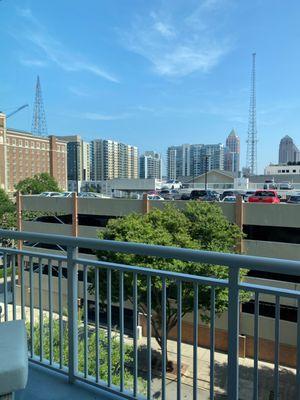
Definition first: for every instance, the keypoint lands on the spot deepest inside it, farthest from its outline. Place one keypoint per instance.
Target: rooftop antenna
(252, 128)
(39, 126)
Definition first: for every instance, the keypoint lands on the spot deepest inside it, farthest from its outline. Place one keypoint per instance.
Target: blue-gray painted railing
(21, 267)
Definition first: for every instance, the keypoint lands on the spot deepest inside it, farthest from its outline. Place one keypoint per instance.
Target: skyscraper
(194, 159)
(288, 151)
(150, 165)
(78, 158)
(111, 159)
(232, 153)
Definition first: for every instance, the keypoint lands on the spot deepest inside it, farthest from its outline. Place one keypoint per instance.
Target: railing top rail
(204, 280)
(275, 265)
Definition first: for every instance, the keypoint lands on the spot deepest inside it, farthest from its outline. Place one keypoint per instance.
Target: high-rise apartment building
(24, 155)
(193, 160)
(232, 153)
(288, 151)
(78, 158)
(150, 165)
(111, 159)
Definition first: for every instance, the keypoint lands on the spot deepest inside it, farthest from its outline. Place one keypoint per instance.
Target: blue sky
(154, 73)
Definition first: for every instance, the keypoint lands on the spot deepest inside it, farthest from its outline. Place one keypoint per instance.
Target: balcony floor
(44, 384)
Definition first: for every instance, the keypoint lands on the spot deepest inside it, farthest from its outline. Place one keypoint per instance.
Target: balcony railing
(35, 282)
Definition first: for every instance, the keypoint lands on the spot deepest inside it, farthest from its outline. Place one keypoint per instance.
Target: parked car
(185, 196)
(172, 184)
(155, 197)
(248, 194)
(295, 199)
(51, 194)
(203, 195)
(286, 186)
(227, 193)
(270, 184)
(229, 199)
(166, 194)
(265, 196)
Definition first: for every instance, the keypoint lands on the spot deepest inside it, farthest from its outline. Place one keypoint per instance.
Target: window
(283, 170)
(43, 146)
(38, 145)
(32, 145)
(287, 170)
(279, 171)
(26, 143)
(20, 142)
(14, 141)
(294, 170)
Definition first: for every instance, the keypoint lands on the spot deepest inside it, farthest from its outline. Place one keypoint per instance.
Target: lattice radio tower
(39, 126)
(252, 128)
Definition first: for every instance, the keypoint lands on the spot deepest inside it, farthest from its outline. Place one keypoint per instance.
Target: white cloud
(103, 117)
(179, 45)
(54, 51)
(77, 91)
(32, 62)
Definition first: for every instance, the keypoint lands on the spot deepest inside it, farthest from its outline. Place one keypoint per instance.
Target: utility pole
(252, 128)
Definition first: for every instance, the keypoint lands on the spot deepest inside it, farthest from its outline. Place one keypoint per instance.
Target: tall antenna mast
(252, 128)
(39, 126)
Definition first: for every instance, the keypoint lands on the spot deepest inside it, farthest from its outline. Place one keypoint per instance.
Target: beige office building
(23, 155)
(111, 160)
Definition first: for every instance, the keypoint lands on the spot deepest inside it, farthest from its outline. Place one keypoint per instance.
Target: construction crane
(17, 110)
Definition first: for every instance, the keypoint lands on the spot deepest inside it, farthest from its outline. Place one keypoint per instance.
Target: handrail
(274, 265)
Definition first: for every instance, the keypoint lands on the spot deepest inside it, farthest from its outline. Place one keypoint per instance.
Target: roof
(216, 171)
(30, 135)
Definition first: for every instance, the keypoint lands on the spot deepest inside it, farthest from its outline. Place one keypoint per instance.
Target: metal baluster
(298, 351)
(179, 337)
(97, 321)
(121, 317)
(22, 288)
(50, 294)
(164, 339)
(41, 323)
(60, 312)
(195, 350)
(72, 313)
(149, 353)
(212, 341)
(233, 334)
(85, 321)
(256, 347)
(109, 326)
(13, 276)
(5, 287)
(31, 286)
(277, 334)
(135, 347)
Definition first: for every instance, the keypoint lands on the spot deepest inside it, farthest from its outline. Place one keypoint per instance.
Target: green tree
(6, 205)
(200, 226)
(39, 183)
(91, 354)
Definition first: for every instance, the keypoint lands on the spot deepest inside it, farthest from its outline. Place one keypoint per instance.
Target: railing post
(233, 335)
(72, 312)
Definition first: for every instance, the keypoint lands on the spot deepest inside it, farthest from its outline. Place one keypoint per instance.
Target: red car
(264, 196)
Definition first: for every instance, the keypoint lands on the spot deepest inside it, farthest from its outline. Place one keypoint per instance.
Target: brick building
(23, 155)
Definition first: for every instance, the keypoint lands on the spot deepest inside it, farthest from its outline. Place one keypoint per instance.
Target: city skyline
(140, 76)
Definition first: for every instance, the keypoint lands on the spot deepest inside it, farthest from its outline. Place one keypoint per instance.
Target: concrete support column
(239, 220)
(75, 215)
(146, 204)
